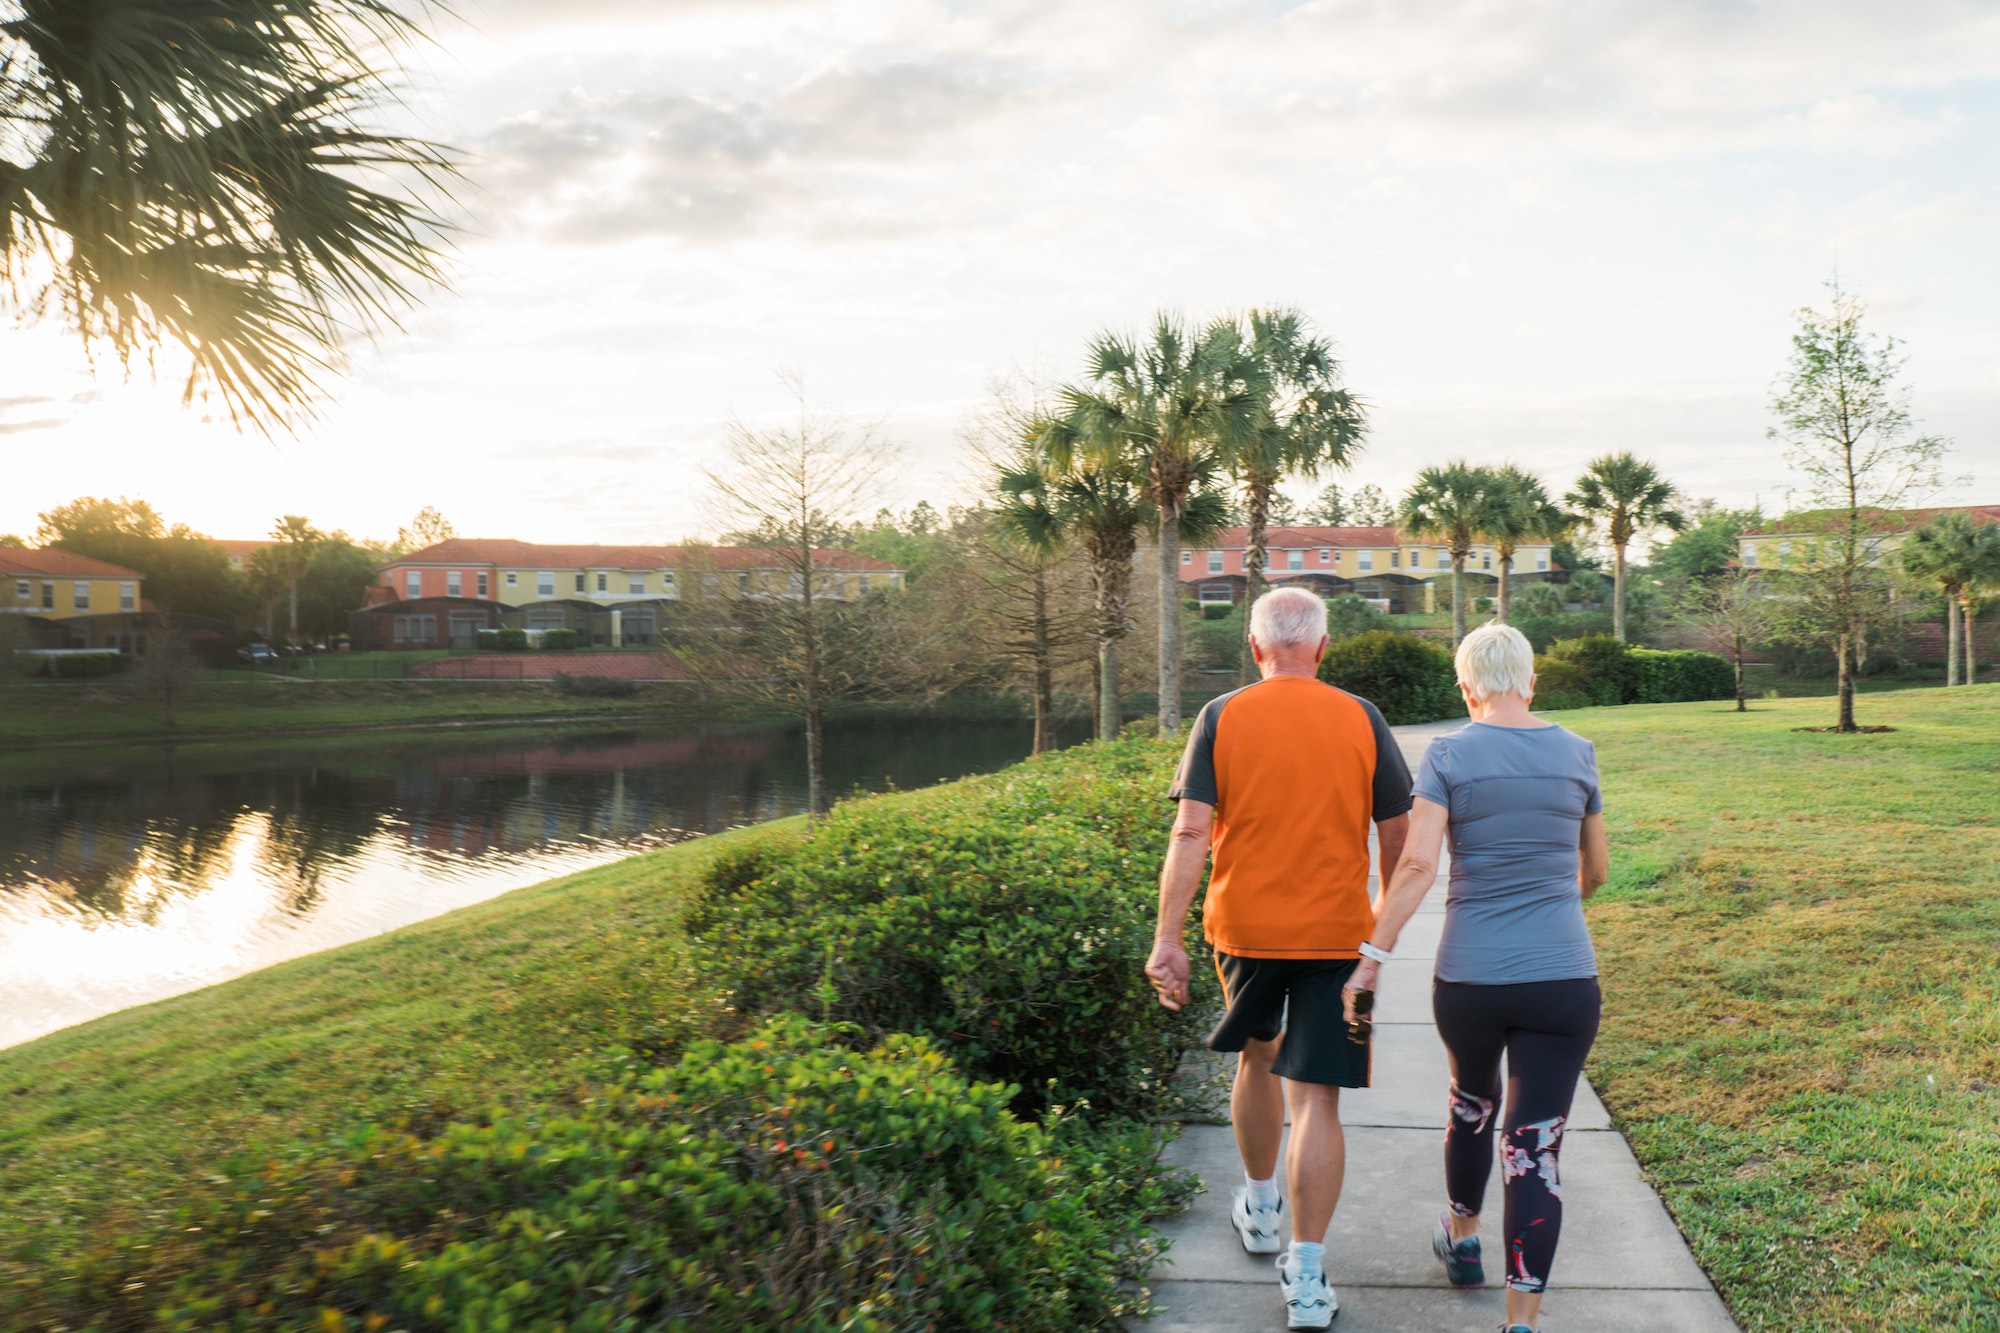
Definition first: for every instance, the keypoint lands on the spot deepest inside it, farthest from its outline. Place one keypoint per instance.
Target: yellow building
(1378, 563)
(96, 605)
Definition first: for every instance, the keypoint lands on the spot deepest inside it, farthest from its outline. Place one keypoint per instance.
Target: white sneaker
(1309, 1302)
(1257, 1228)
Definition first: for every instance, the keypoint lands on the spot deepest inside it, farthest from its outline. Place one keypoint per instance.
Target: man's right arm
(1180, 880)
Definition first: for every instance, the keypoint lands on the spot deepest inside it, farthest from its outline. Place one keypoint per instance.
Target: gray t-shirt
(1517, 797)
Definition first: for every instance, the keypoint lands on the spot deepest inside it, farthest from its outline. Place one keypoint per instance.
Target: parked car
(257, 654)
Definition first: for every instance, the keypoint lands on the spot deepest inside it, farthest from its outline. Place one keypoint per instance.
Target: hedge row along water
(930, 1039)
(1412, 679)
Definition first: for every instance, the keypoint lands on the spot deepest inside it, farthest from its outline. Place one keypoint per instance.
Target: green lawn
(468, 1010)
(1799, 946)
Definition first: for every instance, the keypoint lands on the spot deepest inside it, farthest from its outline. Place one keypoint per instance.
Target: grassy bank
(1798, 944)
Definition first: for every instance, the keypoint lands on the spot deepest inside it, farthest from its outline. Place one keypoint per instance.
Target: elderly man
(1281, 778)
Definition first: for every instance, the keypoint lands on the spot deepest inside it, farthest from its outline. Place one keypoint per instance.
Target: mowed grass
(1801, 952)
(479, 1008)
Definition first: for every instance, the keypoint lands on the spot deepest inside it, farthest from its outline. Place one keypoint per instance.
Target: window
(1784, 549)
(1395, 559)
(1325, 555)
(1416, 559)
(743, 580)
(545, 583)
(22, 589)
(636, 583)
(667, 579)
(861, 583)
(416, 629)
(1750, 555)
(1486, 559)
(1215, 562)
(513, 579)
(413, 583)
(482, 583)
(453, 583)
(1541, 560)
(80, 596)
(1295, 560)
(579, 580)
(1187, 557)
(128, 597)
(603, 581)
(1365, 561)
(48, 596)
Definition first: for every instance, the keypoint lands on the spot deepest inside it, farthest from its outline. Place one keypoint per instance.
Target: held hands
(1167, 969)
(1364, 978)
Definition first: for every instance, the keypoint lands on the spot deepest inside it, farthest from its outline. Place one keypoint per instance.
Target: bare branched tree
(1732, 611)
(798, 633)
(169, 672)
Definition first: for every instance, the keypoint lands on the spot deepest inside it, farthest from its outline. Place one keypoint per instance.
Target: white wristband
(1370, 951)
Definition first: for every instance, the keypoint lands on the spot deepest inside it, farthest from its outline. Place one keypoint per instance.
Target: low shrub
(1408, 678)
(558, 639)
(1680, 676)
(486, 638)
(1007, 918)
(782, 1181)
(87, 666)
(1543, 630)
(510, 639)
(595, 687)
(1598, 670)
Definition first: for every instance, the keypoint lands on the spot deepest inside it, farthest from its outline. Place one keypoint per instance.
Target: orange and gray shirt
(1296, 770)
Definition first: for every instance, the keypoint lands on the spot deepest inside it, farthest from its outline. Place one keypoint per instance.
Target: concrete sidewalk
(1622, 1267)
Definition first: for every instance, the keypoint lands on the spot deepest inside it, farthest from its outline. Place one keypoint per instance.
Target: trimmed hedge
(509, 639)
(85, 666)
(1007, 918)
(558, 639)
(1408, 678)
(777, 1182)
(1598, 670)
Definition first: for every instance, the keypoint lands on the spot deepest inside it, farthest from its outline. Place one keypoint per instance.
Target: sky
(1535, 231)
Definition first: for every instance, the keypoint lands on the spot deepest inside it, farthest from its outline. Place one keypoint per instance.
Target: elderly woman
(1515, 971)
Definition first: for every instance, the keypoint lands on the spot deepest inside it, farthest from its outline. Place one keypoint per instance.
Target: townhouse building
(1782, 540)
(622, 596)
(73, 601)
(1381, 564)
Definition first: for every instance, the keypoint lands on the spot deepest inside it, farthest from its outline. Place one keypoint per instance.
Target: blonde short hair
(1496, 659)
(1288, 618)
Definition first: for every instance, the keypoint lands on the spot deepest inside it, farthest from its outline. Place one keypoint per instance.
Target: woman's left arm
(1593, 855)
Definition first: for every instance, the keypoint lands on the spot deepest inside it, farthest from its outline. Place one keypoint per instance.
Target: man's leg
(1257, 1109)
(1316, 1162)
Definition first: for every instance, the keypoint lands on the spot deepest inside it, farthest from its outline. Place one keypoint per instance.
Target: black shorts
(1298, 999)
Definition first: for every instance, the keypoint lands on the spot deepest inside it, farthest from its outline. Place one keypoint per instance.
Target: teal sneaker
(1462, 1264)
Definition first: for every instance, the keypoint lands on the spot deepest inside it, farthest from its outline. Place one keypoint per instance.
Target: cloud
(1882, 219)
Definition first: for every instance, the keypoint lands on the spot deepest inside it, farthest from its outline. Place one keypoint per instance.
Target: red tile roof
(531, 555)
(1231, 539)
(1901, 520)
(59, 564)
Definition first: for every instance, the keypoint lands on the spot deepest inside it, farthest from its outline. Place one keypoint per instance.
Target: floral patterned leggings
(1545, 1029)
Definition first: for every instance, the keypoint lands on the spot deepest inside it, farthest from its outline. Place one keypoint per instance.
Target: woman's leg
(1471, 1024)
(1544, 1060)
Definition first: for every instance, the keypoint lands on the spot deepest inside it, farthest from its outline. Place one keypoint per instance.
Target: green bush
(487, 638)
(595, 687)
(782, 1181)
(1408, 678)
(82, 666)
(558, 639)
(1007, 918)
(1598, 670)
(510, 639)
(1543, 630)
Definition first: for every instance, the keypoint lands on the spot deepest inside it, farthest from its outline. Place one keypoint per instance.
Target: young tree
(205, 175)
(1034, 614)
(1733, 613)
(809, 644)
(1521, 512)
(428, 528)
(1627, 494)
(168, 672)
(1845, 424)
(1454, 504)
(297, 540)
(1173, 404)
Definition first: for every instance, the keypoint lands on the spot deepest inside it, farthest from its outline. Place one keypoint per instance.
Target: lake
(130, 875)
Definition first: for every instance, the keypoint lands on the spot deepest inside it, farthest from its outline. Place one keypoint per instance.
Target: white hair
(1288, 618)
(1496, 659)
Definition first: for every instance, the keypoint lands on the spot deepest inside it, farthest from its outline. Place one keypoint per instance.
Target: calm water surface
(133, 875)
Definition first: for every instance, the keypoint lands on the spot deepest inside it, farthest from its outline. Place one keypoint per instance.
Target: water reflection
(133, 876)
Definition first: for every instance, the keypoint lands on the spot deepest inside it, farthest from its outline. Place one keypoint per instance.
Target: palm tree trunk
(1457, 596)
(1618, 591)
(1255, 557)
(1741, 705)
(1110, 568)
(1845, 648)
(1170, 618)
(1505, 602)
(1971, 670)
(1950, 640)
(1045, 739)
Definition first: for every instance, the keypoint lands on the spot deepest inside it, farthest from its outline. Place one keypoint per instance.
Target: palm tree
(1958, 555)
(1522, 512)
(203, 175)
(1172, 406)
(296, 539)
(1455, 505)
(1306, 423)
(1627, 494)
